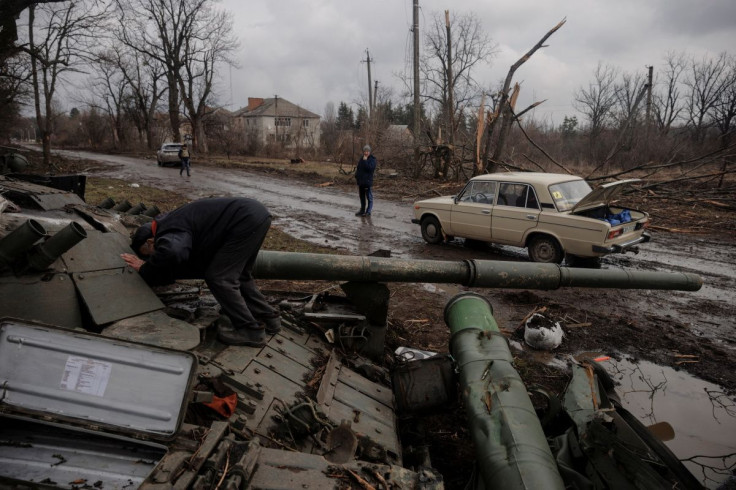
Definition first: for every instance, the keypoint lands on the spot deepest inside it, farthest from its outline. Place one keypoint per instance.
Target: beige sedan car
(552, 215)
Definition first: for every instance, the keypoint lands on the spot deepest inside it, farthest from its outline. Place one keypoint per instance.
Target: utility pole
(375, 94)
(276, 117)
(450, 101)
(370, 85)
(649, 100)
(417, 122)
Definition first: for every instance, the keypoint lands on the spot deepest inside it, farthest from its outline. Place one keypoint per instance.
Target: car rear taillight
(614, 233)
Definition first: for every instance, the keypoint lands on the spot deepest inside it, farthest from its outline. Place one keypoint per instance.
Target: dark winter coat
(186, 238)
(364, 171)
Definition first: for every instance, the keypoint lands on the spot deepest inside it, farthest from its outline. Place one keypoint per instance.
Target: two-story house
(278, 120)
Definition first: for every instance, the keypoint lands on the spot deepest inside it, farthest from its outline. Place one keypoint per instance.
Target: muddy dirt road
(325, 216)
(675, 332)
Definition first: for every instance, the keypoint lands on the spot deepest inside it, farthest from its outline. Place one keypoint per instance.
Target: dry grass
(312, 168)
(99, 189)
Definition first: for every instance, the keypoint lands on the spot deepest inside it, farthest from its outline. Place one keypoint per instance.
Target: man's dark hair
(140, 236)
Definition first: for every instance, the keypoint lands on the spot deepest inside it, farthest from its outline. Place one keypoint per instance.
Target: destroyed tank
(107, 383)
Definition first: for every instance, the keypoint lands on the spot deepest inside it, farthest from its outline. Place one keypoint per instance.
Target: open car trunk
(614, 215)
(598, 205)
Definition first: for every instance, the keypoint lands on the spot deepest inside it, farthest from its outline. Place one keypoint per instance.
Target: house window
(305, 123)
(283, 121)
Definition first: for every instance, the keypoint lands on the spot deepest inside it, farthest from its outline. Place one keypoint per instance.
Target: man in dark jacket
(364, 177)
(216, 239)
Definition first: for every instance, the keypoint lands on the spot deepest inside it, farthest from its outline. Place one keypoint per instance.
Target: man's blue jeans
(366, 198)
(185, 166)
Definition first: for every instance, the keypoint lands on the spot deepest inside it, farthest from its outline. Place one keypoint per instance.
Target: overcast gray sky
(310, 51)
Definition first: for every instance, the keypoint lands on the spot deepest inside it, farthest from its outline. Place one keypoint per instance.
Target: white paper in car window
(85, 375)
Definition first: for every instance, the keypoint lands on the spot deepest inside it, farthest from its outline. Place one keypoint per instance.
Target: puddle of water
(703, 417)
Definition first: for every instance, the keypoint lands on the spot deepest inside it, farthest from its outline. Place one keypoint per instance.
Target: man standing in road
(184, 157)
(218, 240)
(364, 177)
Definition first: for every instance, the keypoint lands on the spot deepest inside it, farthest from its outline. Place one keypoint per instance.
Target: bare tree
(9, 11)
(189, 38)
(667, 102)
(597, 101)
(109, 90)
(448, 76)
(626, 93)
(329, 130)
(159, 30)
(14, 92)
(724, 109)
(725, 114)
(210, 44)
(706, 81)
(66, 36)
(507, 98)
(138, 80)
(146, 90)
(14, 69)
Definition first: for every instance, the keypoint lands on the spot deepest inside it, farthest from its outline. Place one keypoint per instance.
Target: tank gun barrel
(471, 273)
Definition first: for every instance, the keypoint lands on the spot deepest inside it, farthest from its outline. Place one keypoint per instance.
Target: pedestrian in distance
(215, 239)
(364, 178)
(184, 157)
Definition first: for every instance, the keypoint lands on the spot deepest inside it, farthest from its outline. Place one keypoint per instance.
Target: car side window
(484, 192)
(527, 198)
(481, 192)
(508, 194)
(517, 195)
(531, 200)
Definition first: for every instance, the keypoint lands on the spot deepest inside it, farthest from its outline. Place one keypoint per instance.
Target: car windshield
(568, 194)
(171, 147)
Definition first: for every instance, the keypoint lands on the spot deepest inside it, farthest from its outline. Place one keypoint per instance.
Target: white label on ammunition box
(86, 376)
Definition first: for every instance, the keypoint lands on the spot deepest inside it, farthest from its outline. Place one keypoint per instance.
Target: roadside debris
(541, 333)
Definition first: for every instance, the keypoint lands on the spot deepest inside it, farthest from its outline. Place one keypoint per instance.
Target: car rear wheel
(431, 230)
(159, 163)
(544, 248)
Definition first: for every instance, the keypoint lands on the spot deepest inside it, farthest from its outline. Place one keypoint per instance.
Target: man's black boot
(227, 334)
(273, 325)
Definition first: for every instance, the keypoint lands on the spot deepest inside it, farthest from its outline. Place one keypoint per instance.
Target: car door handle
(486, 211)
(531, 216)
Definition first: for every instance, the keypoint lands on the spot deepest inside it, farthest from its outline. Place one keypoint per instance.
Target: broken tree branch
(504, 105)
(540, 148)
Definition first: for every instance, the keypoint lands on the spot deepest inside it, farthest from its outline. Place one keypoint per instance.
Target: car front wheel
(545, 249)
(431, 230)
